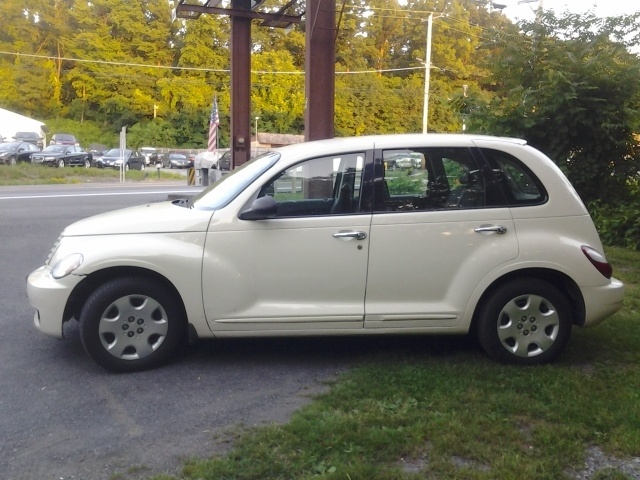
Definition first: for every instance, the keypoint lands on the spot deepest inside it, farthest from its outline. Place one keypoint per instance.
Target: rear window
(516, 180)
(31, 135)
(66, 138)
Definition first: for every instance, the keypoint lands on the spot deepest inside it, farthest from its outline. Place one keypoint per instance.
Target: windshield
(55, 148)
(229, 187)
(115, 152)
(4, 147)
(64, 138)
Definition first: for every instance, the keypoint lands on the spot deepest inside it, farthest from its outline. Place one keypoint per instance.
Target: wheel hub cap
(133, 327)
(528, 325)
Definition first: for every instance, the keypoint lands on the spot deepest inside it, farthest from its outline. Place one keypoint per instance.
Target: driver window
(321, 186)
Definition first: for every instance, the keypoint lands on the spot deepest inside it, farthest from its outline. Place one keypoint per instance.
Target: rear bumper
(602, 302)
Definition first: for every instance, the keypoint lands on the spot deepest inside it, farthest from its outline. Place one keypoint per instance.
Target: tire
(132, 323)
(525, 322)
(12, 161)
(87, 163)
(142, 165)
(126, 167)
(60, 163)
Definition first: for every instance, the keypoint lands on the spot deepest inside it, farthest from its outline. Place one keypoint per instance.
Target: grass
(450, 413)
(27, 174)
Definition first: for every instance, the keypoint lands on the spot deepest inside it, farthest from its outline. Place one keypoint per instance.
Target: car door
(23, 152)
(304, 269)
(72, 156)
(436, 234)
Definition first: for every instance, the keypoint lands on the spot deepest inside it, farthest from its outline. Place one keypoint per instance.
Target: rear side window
(519, 185)
(424, 179)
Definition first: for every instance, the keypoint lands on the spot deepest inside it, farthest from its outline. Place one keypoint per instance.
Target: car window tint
(321, 186)
(520, 185)
(429, 179)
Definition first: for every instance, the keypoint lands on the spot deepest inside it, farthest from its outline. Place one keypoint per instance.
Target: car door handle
(356, 235)
(499, 229)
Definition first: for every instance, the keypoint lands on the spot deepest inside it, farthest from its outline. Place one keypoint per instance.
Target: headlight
(67, 265)
(49, 158)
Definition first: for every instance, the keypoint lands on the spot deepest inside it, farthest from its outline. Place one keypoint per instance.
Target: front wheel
(87, 163)
(527, 322)
(61, 163)
(131, 324)
(12, 161)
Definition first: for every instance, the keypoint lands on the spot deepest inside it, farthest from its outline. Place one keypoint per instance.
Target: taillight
(598, 261)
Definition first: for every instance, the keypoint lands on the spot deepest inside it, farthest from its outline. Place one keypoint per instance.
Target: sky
(602, 8)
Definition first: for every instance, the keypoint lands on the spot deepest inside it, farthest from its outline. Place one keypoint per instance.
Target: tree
(114, 40)
(569, 85)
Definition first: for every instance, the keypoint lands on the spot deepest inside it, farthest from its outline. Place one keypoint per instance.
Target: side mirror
(260, 209)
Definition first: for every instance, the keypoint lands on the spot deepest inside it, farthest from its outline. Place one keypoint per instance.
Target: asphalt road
(63, 417)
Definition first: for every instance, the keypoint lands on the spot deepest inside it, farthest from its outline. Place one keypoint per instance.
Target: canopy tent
(11, 123)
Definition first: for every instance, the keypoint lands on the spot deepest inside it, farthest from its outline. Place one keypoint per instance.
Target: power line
(193, 69)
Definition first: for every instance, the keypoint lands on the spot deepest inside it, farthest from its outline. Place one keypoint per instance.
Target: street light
(256, 152)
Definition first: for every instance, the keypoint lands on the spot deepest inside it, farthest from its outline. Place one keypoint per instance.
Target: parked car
(97, 150)
(488, 238)
(62, 156)
(113, 159)
(31, 137)
(63, 139)
(150, 154)
(14, 152)
(175, 160)
(225, 161)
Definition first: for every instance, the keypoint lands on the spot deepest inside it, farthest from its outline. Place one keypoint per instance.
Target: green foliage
(619, 223)
(402, 182)
(569, 86)
(86, 132)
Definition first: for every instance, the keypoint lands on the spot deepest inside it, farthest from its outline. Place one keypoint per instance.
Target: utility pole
(427, 75)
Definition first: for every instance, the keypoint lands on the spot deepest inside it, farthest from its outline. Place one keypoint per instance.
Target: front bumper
(49, 297)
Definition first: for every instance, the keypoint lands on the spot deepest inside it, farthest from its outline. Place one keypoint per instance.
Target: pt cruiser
(479, 234)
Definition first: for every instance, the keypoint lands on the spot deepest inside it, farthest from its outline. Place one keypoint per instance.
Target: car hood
(47, 154)
(163, 217)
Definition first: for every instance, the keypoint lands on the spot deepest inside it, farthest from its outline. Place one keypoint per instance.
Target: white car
(486, 236)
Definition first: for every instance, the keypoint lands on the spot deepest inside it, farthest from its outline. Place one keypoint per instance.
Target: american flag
(214, 121)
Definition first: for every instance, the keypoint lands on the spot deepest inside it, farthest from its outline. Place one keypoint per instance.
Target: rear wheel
(132, 323)
(527, 321)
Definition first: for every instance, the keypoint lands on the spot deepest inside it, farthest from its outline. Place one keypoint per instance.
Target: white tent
(11, 123)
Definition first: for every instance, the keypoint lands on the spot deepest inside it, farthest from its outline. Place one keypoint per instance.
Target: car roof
(391, 141)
